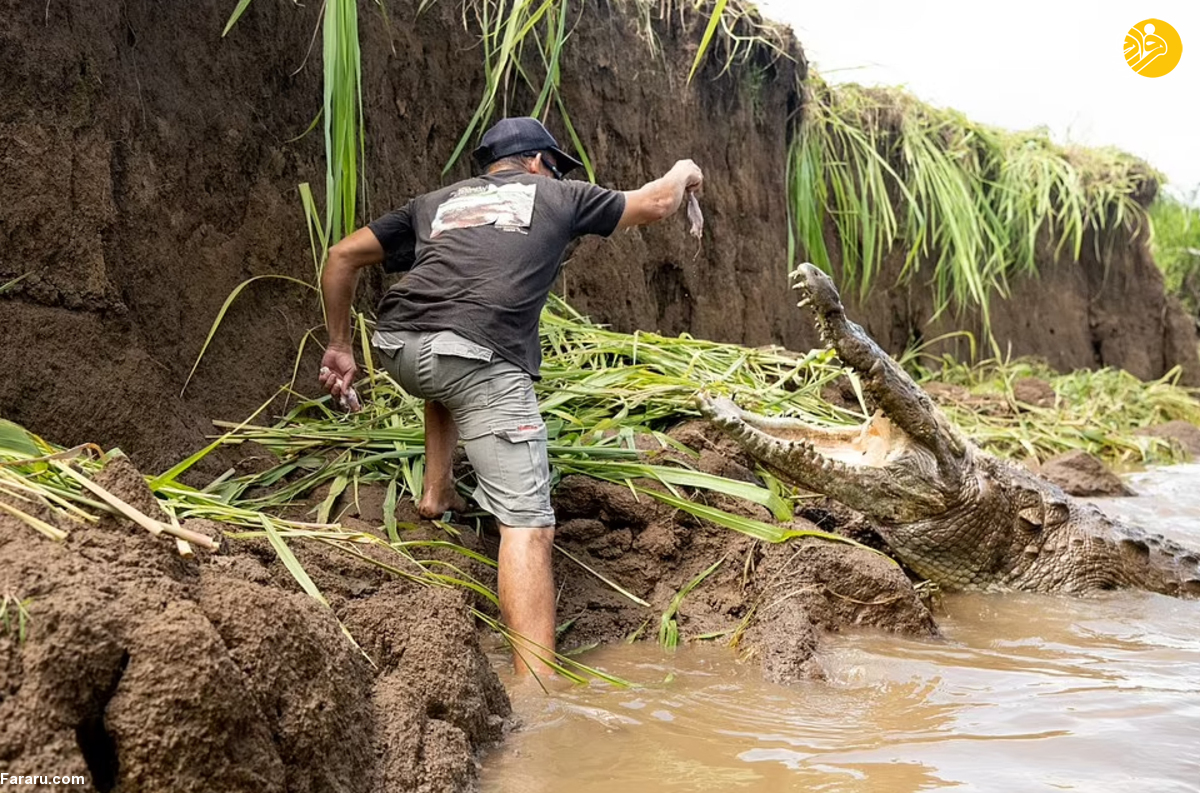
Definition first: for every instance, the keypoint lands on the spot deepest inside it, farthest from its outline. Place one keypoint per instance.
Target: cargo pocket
(517, 482)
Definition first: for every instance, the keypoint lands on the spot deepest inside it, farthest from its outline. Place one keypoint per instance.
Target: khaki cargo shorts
(493, 404)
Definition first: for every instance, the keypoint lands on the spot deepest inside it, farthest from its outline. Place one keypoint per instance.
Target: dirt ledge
(147, 671)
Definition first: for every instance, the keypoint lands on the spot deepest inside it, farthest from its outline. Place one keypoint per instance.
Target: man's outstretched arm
(361, 249)
(661, 198)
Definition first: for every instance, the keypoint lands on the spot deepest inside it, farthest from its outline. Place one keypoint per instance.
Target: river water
(1023, 693)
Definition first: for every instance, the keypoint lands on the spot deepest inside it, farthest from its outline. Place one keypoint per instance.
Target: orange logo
(1152, 48)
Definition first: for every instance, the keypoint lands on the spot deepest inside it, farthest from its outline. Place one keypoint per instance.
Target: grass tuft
(14, 616)
(968, 205)
(1176, 246)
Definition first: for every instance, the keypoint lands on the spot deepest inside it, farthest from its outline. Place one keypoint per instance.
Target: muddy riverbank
(146, 670)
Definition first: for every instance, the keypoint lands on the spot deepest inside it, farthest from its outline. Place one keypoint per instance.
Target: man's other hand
(338, 370)
(693, 176)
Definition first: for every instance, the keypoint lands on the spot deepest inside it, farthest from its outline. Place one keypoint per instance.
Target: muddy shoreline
(148, 671)
(145, 670)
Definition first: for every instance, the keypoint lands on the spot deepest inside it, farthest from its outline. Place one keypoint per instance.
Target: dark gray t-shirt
(483, 254)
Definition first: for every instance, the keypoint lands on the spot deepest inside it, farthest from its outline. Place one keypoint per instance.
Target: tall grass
(967, 205)
(341, 113)
(516, 36)
(736, 29)
(1176, 246)
(522, 44)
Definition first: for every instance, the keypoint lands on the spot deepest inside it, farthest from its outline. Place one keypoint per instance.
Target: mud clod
(145, 671)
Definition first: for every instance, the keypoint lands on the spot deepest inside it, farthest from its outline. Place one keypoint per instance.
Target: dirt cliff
(152, 167)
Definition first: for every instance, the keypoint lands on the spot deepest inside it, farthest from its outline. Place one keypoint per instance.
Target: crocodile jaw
(874, 468)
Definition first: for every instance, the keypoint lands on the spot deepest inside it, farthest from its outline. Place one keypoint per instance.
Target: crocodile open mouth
(895, 465)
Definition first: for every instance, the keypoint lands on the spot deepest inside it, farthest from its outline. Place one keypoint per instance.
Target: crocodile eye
(1056, 514)
(1032, 516)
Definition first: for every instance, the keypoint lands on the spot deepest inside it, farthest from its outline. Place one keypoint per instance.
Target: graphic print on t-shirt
(508, 207)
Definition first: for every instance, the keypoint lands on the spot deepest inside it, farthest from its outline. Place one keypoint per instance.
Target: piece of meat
(694, 216)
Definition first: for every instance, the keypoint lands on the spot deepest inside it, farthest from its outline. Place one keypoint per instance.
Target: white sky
(1020, 64)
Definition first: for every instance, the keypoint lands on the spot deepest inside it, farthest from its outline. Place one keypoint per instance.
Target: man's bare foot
(433, 507)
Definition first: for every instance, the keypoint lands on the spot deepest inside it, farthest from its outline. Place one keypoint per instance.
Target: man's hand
(338, 370)
(661, 198)
(692, 175)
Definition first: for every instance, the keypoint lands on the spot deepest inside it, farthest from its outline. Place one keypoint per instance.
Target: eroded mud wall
(150, 168)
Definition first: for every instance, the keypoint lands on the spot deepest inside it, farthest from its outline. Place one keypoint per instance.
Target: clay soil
(147, 671)
(151, 168)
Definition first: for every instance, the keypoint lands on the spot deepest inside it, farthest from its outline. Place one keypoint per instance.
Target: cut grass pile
(1099, 412)
(601, 393)
(607, 397)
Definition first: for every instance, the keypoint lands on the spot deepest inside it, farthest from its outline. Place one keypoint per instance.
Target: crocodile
(952, 513)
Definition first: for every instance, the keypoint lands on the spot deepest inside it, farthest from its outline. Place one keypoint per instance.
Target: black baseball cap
(518, 135)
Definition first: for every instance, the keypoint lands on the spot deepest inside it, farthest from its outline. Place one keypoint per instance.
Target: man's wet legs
(527, 595)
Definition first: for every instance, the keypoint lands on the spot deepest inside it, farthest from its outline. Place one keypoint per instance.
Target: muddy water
(1024, 693)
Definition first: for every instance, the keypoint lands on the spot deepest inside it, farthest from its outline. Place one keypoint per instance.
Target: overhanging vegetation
(967, 205)
(1176, 246)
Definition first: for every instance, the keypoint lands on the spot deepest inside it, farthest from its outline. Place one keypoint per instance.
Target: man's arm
(661, 198)
(361, 249)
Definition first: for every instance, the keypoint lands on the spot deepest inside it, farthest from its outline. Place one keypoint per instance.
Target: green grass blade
(17, 441)
(290, 561)
(668, 629)
(615, 586)
(225, 308)
(235, 16)
(713, 22)
(389, 512)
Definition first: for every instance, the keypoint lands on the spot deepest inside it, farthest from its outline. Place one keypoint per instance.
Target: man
(460, 330)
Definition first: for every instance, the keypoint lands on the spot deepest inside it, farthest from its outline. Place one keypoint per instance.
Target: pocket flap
(523, 433)
(451, 344)
(387, 341)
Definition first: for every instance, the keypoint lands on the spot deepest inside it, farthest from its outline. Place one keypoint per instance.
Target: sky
(1020, 64)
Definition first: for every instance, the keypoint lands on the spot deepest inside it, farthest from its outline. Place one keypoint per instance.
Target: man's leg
(505, 439)
(527, 594)
(441, 436)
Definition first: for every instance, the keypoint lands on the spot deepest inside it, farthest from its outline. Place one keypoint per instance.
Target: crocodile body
(950, 511)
